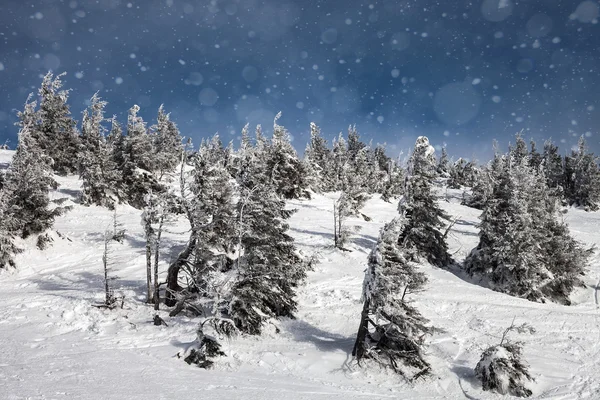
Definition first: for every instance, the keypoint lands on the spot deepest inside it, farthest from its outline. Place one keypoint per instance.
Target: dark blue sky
(461, 72)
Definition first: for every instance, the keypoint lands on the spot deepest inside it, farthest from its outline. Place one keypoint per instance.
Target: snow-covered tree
(318, 160)
(582, 178)
(521, 237)
(8, 248)
(340, 162)
(355, 145)
(167, 144)
(502, 368)
(535, 158)
(552, 163)
(134, 156)
(97, 168)
(394, 182)
(343, 208)
(443, 166)
(138, 143)
(213, 206)
(287, 172)
(419, 204)
(28, 181)
(462, 173)
(391, 330)
(268, 267)
(55, 130)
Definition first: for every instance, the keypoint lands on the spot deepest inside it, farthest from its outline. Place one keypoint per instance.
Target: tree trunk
(173, 271)
(335, 233)
(156, 256)
(148, 267)
(363, 329)
(107, 295)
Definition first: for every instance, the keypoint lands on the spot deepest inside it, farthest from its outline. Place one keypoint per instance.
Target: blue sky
(461, 72)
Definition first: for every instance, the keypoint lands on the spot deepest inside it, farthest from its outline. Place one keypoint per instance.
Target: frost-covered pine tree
(524, 249)
(355, 145)
(28, 181)
(443, 166)
(134, 156)
(318, 159)
(287, 172)
(392, 331)
(394, 184)
(167, 144)
(97, 168)
(502, 369)
(456, 173)
(207, 192)
(213, 206)
(55, 130)
(582, 178)
(8, 248)
(340, 163)
(138, 143)
(553, 166)
(425, 218)
(269, 269)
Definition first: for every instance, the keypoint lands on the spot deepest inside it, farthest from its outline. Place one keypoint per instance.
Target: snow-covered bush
(502, 368)
(206, 347)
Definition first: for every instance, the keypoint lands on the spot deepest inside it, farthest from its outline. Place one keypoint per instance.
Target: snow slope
(56, 345)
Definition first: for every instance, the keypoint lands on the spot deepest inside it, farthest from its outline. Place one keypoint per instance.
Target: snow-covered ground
(55, 344)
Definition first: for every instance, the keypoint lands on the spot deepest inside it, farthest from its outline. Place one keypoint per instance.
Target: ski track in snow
(56, 345)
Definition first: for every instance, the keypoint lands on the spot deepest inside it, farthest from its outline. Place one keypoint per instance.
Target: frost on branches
(425, 218)
(525, 249)
(392, 331)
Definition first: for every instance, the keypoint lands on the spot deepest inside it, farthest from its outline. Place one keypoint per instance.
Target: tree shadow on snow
(465, 374)
(74, 194)
(169, 248)
(364, 241)
(90, 284)
(303, 331)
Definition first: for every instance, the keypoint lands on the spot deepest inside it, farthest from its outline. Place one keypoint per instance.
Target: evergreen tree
(54, 130)
(167, 144)
(212, 204)
(392, 331)
(134, 156)
(582, 178)
(8, 248)
(552, 163)
(269, 270)
(97, 169)
(535, 158)
(138, 143)
(28, 181)
(124, 168)
(443, 167)
(521, 237)
(340, 164)
(287, 172)
(519, 150)
(355, 146)
(419, 203)
(318, 161)
(394, 182)
(456, 174)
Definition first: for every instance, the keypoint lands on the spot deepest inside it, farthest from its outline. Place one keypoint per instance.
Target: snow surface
(56, 345)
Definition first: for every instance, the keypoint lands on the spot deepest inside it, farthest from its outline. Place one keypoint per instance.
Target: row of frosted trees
(240, 268)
